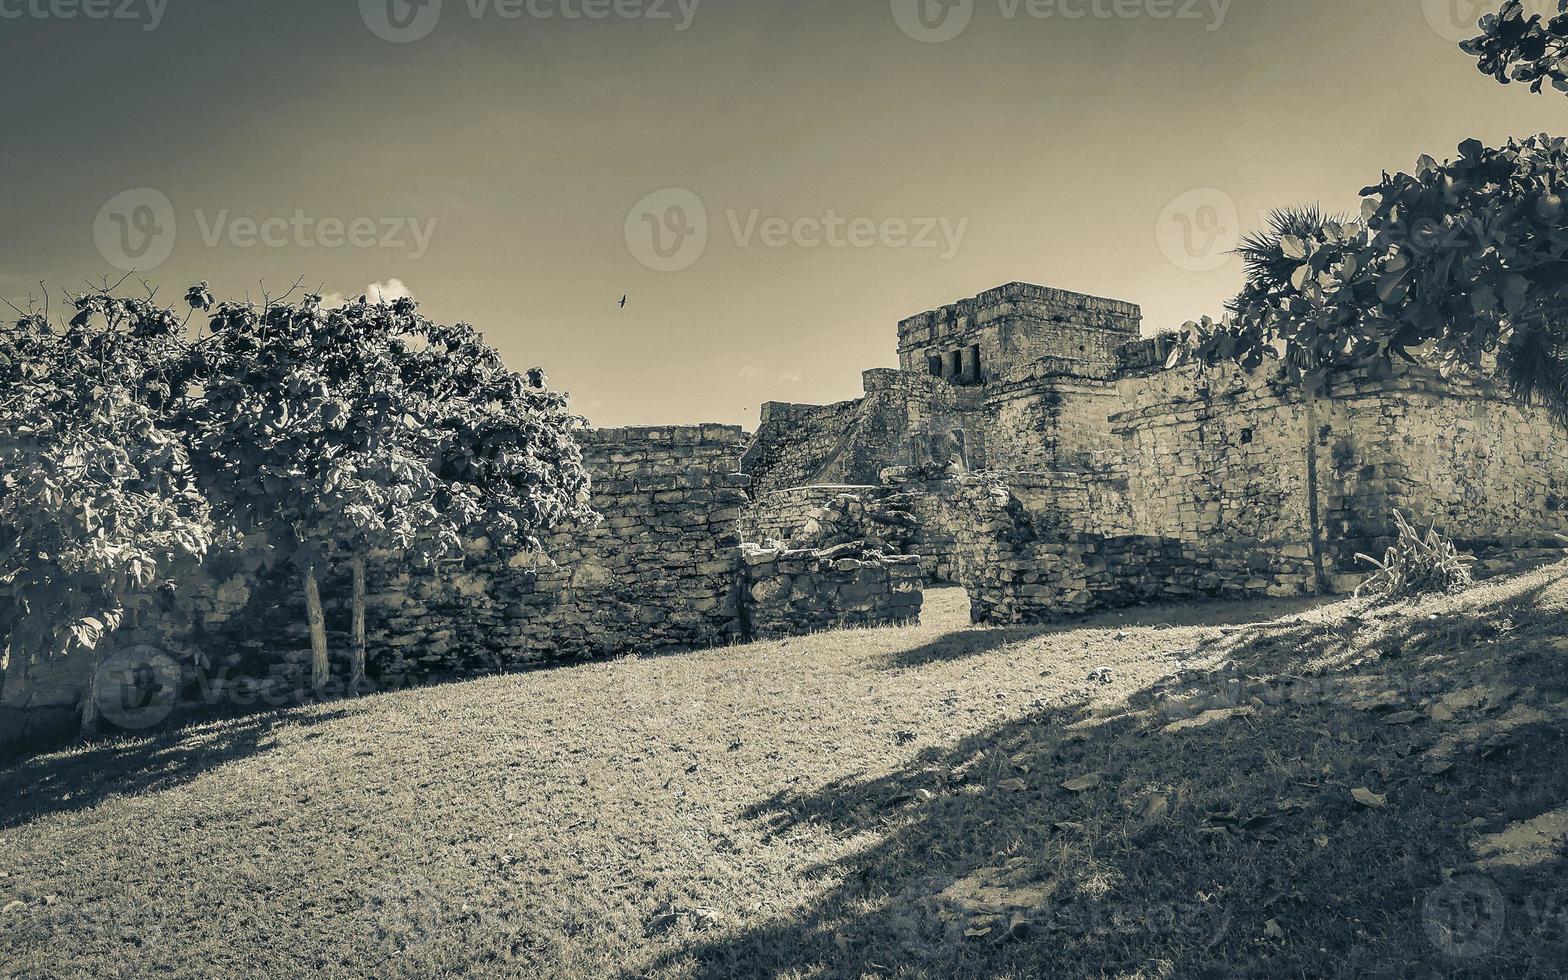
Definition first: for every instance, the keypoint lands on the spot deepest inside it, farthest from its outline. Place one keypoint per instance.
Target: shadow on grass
(81, 778)
(962, 644)
(1223, 837)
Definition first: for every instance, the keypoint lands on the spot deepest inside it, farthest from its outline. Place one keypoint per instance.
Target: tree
(97, 492)
(1514, 48)
(1271, 261)
(336, 433)
(1450, 265)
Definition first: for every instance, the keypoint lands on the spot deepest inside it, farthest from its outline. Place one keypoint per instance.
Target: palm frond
(1267, 265)
(1536, 369)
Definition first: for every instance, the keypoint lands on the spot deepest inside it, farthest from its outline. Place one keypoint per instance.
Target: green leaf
(1393, 287)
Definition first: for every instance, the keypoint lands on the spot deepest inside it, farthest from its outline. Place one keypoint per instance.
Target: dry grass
(882, 803)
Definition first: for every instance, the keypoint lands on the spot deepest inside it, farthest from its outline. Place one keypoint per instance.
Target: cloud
(384, 292)
(388, 291)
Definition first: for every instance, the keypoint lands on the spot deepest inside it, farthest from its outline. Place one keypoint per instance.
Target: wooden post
(320, 665)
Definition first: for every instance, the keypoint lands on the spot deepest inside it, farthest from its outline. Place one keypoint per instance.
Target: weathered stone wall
(1219, 458)
(1019, 566)
(791, 592)
(1048, 416)
(795, 445)
(1094, 498)
(907, 515)
(932, 538)
(903, 420)
(195, 632)
(657, 573)
(1205, 491)
(779, 515)
(1458, 453)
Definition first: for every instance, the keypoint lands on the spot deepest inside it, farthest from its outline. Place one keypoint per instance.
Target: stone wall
(903, 420)
(1048, 416)
(1457, 453)
(657, 573)
(933, 536)
(907, 515)
(1019, 567)
(779, 515)
(791, 592)
(795, 445)
(1219, 458)
(663, 570)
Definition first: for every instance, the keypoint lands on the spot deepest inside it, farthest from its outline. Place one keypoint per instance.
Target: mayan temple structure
(1037, 448)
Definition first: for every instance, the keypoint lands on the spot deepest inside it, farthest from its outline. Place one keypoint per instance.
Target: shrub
(1417, 564)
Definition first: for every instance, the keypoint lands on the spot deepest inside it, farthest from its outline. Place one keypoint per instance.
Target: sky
(771, 184)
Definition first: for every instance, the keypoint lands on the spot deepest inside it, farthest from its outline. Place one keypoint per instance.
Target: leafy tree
(97, 492)
(301, 437)
(340, 432)
(1453, 264)
(1514, 48)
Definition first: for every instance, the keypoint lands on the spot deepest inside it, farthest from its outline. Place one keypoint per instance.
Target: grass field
(1250, 790)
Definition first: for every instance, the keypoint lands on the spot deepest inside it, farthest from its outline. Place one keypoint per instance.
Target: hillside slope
(1330, 791)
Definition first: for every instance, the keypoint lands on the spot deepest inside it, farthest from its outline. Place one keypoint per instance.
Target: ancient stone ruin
(1056, 465)
(1032, 447)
